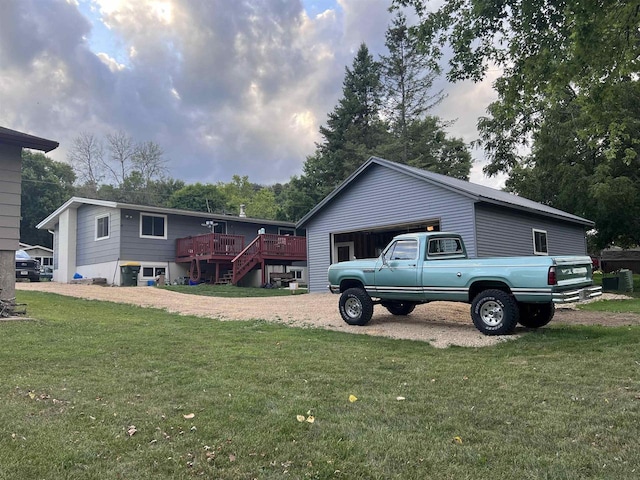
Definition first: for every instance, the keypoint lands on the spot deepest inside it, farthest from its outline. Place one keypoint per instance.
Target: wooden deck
(229, 252)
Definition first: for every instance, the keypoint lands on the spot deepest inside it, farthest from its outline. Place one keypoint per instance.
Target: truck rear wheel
(399, 308)
(356, 306)
(536, 315)
(494, 312)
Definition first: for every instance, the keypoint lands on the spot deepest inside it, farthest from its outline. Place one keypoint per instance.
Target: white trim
(336, 245)
(546, 241)
(156, 237)
(98, 218)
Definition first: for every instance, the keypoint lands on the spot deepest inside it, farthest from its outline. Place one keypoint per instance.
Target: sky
(225, 87)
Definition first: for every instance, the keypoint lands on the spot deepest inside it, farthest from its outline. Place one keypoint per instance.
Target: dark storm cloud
(225, 87)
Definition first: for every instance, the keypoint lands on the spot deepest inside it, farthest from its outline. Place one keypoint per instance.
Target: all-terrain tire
(400, 308)
(536, 315)
(356, 306)
(495, 312)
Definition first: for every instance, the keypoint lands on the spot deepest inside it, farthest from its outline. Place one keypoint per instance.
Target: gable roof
(26, 247)
(13, 137)
(75, 202)
(479, 193)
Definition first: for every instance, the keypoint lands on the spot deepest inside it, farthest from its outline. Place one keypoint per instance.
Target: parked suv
(27, 267)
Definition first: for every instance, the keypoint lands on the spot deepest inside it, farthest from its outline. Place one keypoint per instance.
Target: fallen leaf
(400, 398)
(32, 395)
(352, 398)
(189, 415)
(232, 458)
(132, 430)
(457, 440)
(311, 419)
(300, 418)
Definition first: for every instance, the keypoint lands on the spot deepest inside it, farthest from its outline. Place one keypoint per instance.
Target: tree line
(565, 128)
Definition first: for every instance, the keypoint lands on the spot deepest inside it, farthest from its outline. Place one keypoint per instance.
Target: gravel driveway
(439, 323)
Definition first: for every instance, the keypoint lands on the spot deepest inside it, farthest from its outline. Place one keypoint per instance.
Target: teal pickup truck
(418, 268)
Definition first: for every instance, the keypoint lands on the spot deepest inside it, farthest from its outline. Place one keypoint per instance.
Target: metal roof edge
(75, 202)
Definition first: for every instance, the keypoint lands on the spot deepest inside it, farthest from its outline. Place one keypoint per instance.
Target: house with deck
(97, 238)
(382, 199)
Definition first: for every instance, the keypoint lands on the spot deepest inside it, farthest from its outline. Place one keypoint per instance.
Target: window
(102, 227)
(445, 246)
(286, 231)
(403, 250)
(540, 246)
(153, 226)
(153, 272)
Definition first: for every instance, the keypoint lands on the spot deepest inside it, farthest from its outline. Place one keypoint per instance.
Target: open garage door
(370, 243)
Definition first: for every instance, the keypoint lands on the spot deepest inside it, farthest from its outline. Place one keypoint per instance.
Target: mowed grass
(631, 305)
(232, 291)
(96, 390)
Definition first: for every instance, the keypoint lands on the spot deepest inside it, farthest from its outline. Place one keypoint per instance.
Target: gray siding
(380, 197)
(160, 250)
(10, 188)
(502, 232)
(90, 251)
(155, 249)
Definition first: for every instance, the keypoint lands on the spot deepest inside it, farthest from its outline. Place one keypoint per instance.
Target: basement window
(540, 246)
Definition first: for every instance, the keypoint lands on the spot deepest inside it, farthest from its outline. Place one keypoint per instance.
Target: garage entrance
(370, 243)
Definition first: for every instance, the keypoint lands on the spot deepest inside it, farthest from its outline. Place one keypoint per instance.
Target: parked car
(27, 267)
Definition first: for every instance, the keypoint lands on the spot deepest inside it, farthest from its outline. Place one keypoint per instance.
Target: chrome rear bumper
(579, 295)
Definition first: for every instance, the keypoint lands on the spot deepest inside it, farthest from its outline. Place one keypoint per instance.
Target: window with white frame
(153, 272)
(540, 246)
(102, 227)
(153, 226)
(286, 231)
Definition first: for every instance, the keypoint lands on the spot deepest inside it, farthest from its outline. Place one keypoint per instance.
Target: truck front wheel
(356, 306)
(536, 315)
(494, 312)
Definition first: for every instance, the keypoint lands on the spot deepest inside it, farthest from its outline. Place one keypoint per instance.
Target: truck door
(396, 273)
(443, 275)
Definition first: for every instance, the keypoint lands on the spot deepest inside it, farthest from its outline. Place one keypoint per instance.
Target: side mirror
(383, 261)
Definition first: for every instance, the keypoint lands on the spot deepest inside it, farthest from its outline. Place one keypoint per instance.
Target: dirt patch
(439, 323)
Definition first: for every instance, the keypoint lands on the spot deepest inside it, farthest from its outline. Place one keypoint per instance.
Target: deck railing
(283, 246)
(209, 244)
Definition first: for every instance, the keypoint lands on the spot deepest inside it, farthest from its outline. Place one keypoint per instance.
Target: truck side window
(445, 246)
(403, 250)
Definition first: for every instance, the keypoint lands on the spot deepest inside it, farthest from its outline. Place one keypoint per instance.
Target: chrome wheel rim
(492, 313)
(353, 308)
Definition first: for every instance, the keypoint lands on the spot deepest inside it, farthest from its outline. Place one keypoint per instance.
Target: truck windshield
(403, 250)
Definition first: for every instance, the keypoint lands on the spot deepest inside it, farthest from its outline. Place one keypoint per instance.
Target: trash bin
(625, 282)
(610, 284)
(129, 274)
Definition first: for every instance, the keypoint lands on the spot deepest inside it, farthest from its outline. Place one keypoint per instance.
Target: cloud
(224, 87)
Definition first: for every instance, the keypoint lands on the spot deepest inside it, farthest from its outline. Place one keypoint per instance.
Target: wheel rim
(492, 313)
(353, 308)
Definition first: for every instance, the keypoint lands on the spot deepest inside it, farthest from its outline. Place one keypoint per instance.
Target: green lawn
(232, 291)
(98, 390)
(618, 306)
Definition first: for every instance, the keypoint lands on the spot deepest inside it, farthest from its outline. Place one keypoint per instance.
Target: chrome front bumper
(579, 295)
